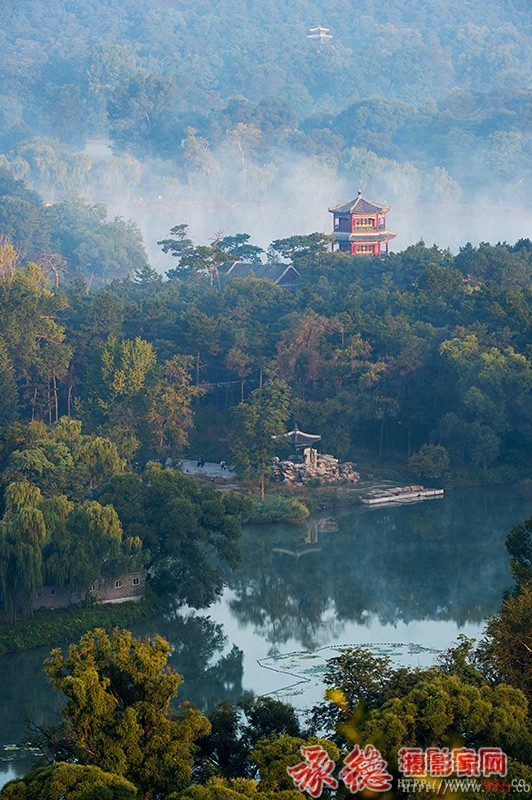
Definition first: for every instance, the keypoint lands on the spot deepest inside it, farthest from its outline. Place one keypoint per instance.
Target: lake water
(404, 580)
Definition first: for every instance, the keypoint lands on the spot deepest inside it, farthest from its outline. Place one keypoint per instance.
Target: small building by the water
(119, 589)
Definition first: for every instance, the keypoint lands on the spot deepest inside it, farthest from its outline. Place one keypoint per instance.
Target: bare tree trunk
(56, 399)
(69, 400)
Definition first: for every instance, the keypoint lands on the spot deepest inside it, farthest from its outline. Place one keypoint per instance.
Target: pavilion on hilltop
(360, 227)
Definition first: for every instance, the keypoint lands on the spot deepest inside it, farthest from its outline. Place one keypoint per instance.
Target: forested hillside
(222, 115)
(420, 106)
(85, 52)
(145, 145)
(382, 356)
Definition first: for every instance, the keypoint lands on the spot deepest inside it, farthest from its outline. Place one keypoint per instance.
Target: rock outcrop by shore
(315, 467)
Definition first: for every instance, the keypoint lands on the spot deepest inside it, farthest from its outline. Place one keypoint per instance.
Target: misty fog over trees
(419, 104)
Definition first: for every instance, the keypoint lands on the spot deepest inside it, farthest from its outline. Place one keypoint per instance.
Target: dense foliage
(215, 102)
(419, 358)
(422, 350)
(108, 370)
(117, 712)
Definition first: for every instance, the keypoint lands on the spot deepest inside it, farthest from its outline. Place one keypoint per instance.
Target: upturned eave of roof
(364, 238)
(271, 272)
(360, 206)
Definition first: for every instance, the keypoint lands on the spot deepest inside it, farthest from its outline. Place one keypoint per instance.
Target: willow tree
(85, 540)
(22, 538)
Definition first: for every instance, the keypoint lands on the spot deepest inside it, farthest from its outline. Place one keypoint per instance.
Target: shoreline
(56, 627)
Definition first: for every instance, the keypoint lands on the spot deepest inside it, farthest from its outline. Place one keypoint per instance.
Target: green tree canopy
(117, 714)
(191, 530)
(258, 423)
(74, 781)
(506, 650)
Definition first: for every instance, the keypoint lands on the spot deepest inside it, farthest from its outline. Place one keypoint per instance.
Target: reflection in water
(312, 584)
(310, 542)
(442, 560)
(25, 695)
(198, 644)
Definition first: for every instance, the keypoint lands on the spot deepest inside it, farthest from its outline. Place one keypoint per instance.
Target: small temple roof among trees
(281, 274)
(359, 206)
(300, 439)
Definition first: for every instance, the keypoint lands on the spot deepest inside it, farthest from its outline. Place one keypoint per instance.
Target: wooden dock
(400, 494)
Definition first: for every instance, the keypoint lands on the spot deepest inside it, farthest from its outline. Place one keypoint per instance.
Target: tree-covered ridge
(68, 239)
(418, 358)
(413, 99)
(422, 348)
(253, 49)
